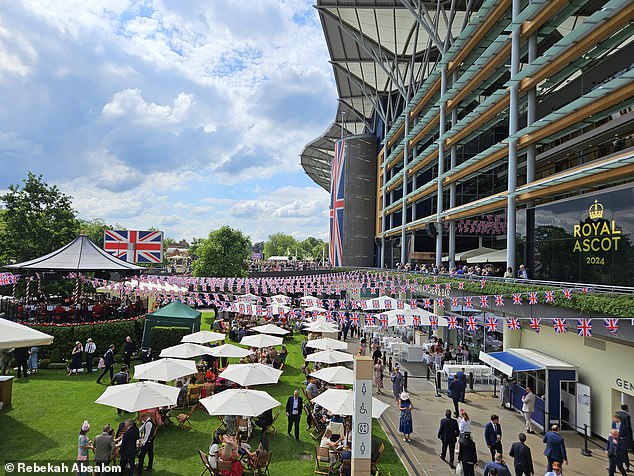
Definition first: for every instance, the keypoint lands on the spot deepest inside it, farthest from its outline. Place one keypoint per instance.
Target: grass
(49, 408)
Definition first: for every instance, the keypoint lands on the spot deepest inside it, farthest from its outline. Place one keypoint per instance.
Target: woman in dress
(75, 363)
(83, 445)
(464, 424)
(405, 422)
(378, 376)
(33, 359)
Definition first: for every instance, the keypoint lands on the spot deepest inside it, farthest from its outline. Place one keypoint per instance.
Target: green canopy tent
(175, 314)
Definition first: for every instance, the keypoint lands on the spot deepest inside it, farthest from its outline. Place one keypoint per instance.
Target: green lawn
(49, 408)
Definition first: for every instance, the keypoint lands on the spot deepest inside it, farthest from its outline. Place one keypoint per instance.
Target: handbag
(101, 364)
(459, 469)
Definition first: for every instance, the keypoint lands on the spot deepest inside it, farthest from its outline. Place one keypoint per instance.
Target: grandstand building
(472, 132)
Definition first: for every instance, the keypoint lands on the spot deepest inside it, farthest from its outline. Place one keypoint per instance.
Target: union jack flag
(426, 303)
(499, 300)
(440, 302)
(342, 318)
(567, 293)
(454, 301)
(484, 301)
(354, 319)
(468, 302)
(452, 322)
(517, 299)
(433, 322)
(482, 283)
(532, 298)
(388, 304)
(412, 302)
(337, 204)
(612, 325)
(460, 285)
(584, 327)
(535, 324)
(585, 290)
(448, 286)
(329, 316)
(550, 296)
(513, 324)
(416, 320)
(369, 320)
(383, 320)
(491, 324)
(400, 304)
(134, 246)
(471, 323)
(560, 326)
(400, 319)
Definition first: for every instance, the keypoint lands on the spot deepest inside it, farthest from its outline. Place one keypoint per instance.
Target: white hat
(404, 396)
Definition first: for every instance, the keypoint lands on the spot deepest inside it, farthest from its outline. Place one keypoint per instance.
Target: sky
(176, 114)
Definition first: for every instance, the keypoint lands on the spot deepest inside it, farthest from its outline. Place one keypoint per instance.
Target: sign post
(362, 417)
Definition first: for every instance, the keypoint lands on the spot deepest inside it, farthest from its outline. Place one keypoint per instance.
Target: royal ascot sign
(596, 235)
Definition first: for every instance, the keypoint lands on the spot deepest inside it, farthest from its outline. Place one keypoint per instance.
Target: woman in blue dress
(405, 422)
(33, 363)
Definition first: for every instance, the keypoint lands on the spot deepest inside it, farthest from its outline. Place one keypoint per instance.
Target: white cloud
(129, 104)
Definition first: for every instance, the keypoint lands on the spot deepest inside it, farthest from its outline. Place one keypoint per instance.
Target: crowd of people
(483, 270)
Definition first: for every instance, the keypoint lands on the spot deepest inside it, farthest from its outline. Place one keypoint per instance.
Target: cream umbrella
(248, 375)
(261, 340)
(279, 309)
(326, 343)
(239, 401)
(281, 299)
(340, 402)
(315, 309)
(247, 297)
(165, 369)
(309, 301)
(14, 335)
(185, 350)
(384, 302)
(203, 337)
(408, 316)
(322, 326)
(335, 375)
(330, 357)
(270, 329)
(133, 397)
(229, 351)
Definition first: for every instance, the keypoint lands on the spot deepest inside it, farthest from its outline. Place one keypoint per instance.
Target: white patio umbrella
(322, 326)
(251, 374)
(309, 301)
(14, 335)
(270, 329)
(339, 402)
(229, 351)
(133, 397)
(203, 337)
(186, 350)
(384, 302)
(335, 375)
(165, 369)
(281, 299)
(315, 309)
(408, 315)
(279, 309)
(326, 343)
(239, 401)
(247, 297)
(330, 357)
(261, 340)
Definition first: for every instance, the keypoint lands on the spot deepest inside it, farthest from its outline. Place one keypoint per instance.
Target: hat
(85, 426)
(404, 396)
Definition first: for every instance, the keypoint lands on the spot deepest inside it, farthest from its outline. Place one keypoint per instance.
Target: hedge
(103, 334)
(163, 337)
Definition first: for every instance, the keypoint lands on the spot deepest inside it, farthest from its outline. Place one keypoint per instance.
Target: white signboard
(362, 419)
(496, 364)
(583, 407)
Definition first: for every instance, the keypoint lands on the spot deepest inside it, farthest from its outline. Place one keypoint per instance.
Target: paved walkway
(421, 456)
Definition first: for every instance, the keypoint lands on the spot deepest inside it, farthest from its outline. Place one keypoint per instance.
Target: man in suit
(493, 435)
(555, 448)
(90, 349)
(294, 412)
(146, 433)
(108, 359)
(104, 447)
(497, 467)
(448, 433)
(528, 406)
(127, 451)
(616, 453)
(128, 349)
(522, 273)
(461, 376)
(522, 459)
(625, 432)
(456, 389)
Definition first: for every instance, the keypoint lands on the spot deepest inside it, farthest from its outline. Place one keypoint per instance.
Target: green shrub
(44, 363)
(163, 337)
(55, 355)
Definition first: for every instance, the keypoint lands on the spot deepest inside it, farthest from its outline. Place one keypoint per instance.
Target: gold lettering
(605, 247)
(576, 232)
(616, 242)
(593, 242)
(586, 229)
(605, 229)
(577, 246)
(614, 230)
(586, 245)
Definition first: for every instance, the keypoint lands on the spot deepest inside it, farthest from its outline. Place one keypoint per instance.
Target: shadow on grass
(22, 439)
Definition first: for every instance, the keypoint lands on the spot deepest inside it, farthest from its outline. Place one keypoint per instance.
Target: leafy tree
(279, 244)
(38, 219)
(94, 229)
(224, 253)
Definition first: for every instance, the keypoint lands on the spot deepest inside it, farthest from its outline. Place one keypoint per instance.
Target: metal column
(529, 254)
(513, 127)
(384, 202)
(441, 165)
(404, 199)
(452, 187)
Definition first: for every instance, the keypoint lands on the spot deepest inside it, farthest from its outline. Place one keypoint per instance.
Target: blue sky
(184, 115)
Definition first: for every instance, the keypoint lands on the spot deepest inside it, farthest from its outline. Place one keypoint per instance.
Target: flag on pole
(560, 326)
(584, 327)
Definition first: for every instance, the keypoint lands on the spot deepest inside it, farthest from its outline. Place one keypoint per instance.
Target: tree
(94, 229)
(279, 244)
(38, 219)
(224, 253)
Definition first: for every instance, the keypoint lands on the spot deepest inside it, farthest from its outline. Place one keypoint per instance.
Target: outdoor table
(477, 370)
(6, 389)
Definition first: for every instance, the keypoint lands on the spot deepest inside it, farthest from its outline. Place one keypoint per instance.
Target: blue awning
(508, 362)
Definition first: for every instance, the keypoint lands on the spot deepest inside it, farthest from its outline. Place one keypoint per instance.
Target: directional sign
(362, 416)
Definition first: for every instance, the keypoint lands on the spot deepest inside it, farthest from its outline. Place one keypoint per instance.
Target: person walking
(146, 447)
(294, 413)
(128, 350)
(108, 359)
(496, 467)
(405, 424)
(90, 349)
(464, 424)
(522, 458)
(448, 434)
(397, 382)
(625, 432)
(33, 360)
(616, 453)
(555, 448)
(455, 392)
(21, 355)
(493, 435)
(378, 376)
(75, 362)
(467, 455)
(528, 406)
(461, 376)
(505, 391)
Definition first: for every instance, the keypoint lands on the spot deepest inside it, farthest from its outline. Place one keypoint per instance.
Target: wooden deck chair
(318, 430)
(375, 464)
(322, 460)
(183, 419)
(243, 428)
(271, 428)
(193, 394)
(205, 460)
(261, 467)
(305, 394)
(222, 425)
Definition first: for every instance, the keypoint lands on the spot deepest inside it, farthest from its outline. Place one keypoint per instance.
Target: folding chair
(317, 430)
(193, 394)
(183, 419)
(225, 466)
(271, 428)
(205, 460)
(261, 465)
(322, 460)
(222, 425)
